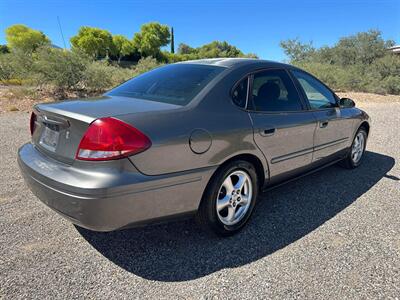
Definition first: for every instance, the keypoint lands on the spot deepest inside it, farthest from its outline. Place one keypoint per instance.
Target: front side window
(318, 95)
(175, 84)
(239, 93)
(273, 91)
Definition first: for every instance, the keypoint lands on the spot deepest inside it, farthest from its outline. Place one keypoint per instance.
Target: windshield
(175, 84)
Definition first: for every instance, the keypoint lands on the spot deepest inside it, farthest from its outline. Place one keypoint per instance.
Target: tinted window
(317, 94)
(175, 84)
(273, 90)
(239, 94)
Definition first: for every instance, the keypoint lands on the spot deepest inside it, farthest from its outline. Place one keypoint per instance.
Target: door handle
(267, 131)
(323, 124)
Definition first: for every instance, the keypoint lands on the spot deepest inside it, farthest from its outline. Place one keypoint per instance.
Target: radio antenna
(62, 35)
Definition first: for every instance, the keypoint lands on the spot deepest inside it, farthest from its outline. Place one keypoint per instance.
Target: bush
(67, 71)
(146, 64)
(389, 65)
(391, 85)
(7, 71)
(383, 76)
(63, 69)
(100, 76)
(359, 63)
(97, 76)
(15, 67)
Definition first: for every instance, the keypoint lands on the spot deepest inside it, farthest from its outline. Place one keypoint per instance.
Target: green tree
(220, 49)
(185, 49)
(95, 42)
(22, 38)
(362, 48)
(151, 38)
(214, 49)
(297, 50)
(122, 46)
(251, 55)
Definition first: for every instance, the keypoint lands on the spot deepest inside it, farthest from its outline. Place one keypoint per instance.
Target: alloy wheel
(357, 149)
(234, 197)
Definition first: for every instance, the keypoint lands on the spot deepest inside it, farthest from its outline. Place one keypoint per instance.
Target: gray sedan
(196, 138)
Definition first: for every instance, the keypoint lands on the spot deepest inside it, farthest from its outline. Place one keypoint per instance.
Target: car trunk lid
(59, 127)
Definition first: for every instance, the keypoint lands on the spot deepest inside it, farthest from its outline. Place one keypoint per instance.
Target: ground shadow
(181, 251)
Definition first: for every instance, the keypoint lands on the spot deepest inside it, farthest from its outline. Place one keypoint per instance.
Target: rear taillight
(32, 123)
(109, 138)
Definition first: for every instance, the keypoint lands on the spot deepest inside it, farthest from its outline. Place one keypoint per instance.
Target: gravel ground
(334, 234)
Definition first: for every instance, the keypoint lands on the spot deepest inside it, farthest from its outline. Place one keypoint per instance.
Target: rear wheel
(229, 198)
(356, 153)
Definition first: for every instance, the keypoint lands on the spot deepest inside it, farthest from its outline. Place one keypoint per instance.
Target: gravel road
(334, 234)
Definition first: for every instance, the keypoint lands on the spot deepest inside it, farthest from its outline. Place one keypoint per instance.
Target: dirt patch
(362, 98)
(21, 98)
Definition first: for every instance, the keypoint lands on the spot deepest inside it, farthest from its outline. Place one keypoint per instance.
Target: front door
(283, 127)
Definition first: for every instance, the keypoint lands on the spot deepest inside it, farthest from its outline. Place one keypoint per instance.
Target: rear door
(333, 132)
(283, 127)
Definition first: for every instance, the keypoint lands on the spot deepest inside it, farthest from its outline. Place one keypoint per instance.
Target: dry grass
(22, 98)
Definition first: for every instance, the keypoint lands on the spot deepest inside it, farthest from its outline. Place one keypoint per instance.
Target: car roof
(236, 62)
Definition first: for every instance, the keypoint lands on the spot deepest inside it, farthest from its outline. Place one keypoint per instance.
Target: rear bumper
(110, 195)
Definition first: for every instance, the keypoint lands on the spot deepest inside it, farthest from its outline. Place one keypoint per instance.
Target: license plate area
(49, 137)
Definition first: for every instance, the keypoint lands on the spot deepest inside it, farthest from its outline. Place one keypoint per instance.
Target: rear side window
(175, 84)
(318, 95)
(239, 93)
(273, 90)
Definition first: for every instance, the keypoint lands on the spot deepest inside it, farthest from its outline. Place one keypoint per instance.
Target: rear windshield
(174, 84)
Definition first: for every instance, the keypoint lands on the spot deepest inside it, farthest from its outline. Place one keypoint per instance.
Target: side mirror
(346, 103)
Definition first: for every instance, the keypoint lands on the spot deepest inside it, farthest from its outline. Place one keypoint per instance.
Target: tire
(238, 198)
(349, 162)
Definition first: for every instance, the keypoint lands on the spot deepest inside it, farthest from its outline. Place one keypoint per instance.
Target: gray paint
(188, 145)
(109, 195)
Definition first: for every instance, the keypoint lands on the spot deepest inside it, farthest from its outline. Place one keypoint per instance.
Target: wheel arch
(364, 125)
(252, 159)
